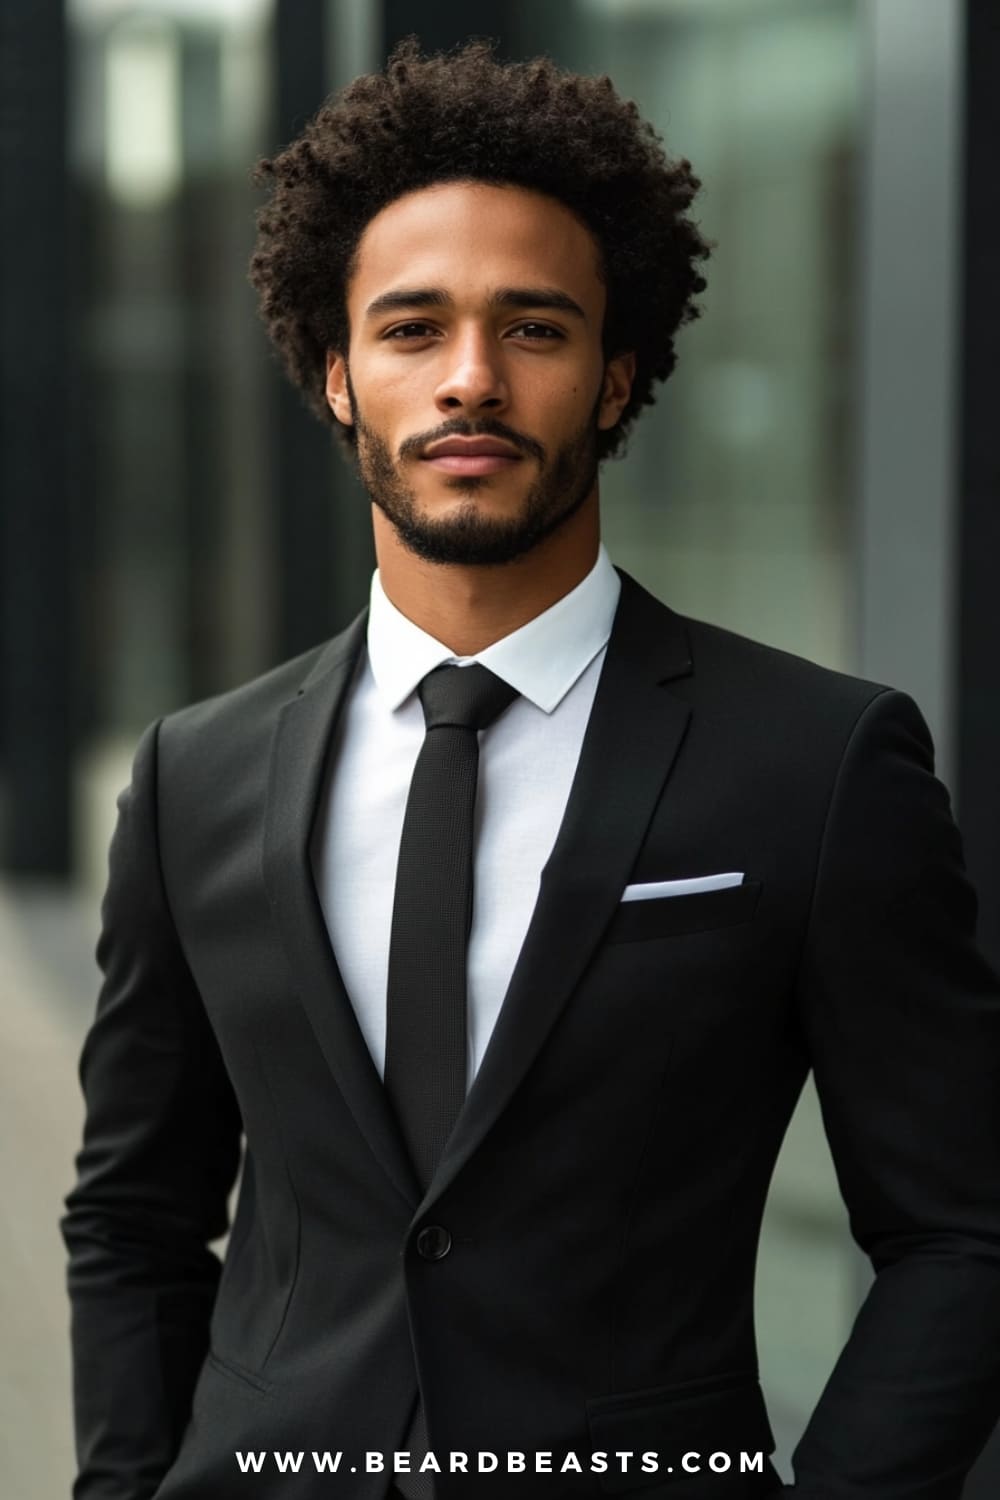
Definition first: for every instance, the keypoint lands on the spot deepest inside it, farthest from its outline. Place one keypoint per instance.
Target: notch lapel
(298, 760)
(635, 730)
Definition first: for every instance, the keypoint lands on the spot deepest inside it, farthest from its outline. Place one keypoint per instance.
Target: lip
(473, 463)
(471, 455)
(470, 447)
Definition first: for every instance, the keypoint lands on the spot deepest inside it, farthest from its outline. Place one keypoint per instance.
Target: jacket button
(433, 1242)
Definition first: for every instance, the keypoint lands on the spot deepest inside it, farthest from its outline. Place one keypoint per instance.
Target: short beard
(470, 538)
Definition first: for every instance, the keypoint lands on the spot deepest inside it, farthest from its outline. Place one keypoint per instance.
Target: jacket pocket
(670, 916)
(242, 1376)
(721, 1415)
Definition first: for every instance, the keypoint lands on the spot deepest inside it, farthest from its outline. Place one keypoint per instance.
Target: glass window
(168, 113)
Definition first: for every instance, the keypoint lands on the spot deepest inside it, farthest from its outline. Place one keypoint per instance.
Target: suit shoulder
(748, 670)
(731, 674)
(230, 731)
(787, 715)
(257, 697)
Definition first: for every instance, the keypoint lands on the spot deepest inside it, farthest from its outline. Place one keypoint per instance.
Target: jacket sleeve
(901, 1015)
(159, 1157)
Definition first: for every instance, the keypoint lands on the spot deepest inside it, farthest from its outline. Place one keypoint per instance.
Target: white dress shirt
(527, 760)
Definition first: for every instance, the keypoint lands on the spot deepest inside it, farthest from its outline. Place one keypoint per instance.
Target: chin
(472, 497)
(472, 484)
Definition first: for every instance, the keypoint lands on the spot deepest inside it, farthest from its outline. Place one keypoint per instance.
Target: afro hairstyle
(465, 115)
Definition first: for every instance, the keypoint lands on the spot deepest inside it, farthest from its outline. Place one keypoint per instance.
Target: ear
(619, 374)
(336, 388)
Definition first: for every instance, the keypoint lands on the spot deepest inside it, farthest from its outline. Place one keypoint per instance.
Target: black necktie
(425, 1061)
(425, 1050)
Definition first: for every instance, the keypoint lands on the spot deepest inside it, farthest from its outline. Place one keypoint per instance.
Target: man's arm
(902, 1019)
(160, 1153)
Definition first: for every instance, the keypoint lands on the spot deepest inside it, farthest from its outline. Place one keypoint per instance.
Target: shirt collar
(541, 659)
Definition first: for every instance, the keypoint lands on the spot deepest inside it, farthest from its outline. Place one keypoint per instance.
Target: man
(507, 924)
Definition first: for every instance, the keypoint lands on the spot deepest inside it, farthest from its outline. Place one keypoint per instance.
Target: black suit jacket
(601, 1194)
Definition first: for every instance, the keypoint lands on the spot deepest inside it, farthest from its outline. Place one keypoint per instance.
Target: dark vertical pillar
(303, 471)
(36, 400)
(199, 246)
(978, 782)
(441, 24)
(978, 592)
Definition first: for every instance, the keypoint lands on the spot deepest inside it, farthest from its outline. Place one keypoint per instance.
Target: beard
(469, 536)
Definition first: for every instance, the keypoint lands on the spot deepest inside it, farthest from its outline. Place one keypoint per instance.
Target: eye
(408, 331)
(540, 331)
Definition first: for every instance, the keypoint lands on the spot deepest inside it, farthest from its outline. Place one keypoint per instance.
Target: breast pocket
(672, 916)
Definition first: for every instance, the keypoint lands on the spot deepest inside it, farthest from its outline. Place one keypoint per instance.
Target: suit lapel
(298, 760)
(635, 730)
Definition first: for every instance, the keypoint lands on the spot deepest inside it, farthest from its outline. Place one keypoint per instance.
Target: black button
(433, 1242)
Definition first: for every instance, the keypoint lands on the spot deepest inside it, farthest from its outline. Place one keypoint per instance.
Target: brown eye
(541, 331)
(409, 331)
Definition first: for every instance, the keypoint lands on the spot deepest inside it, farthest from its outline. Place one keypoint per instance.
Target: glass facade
(169, 110)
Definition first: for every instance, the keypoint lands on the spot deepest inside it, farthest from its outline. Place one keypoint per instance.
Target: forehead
(471, 237)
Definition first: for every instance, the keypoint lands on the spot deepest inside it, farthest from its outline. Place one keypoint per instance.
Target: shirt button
(433, 1242)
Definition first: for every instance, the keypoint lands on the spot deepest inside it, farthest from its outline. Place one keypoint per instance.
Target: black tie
(425, 1050)
(425, 1055)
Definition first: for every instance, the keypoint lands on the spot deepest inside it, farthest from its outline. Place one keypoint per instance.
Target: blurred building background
(820, 473)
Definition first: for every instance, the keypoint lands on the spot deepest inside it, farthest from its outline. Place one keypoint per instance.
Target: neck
(468, 607)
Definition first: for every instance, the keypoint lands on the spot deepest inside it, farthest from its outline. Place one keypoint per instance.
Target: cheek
(375, 407)
(395, 390)
(569, 402)
(562, 393)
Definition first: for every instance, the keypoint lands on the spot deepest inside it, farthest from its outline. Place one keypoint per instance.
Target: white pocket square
(648, 889)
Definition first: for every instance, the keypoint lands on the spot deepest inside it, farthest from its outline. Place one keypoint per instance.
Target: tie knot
(465, 697)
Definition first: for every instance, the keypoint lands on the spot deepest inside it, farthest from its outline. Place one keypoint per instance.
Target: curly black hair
(465, 116)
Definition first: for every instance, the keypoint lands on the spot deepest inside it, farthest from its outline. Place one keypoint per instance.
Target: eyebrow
(507, 296)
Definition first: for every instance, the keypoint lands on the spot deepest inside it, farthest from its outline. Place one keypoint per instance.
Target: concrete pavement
(48, 981)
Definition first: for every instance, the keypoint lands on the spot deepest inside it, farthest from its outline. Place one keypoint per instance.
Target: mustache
(412, 447)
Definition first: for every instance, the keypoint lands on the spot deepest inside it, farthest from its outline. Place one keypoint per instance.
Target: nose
(474, 379)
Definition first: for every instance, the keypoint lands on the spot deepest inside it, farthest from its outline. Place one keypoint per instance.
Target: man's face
(475, 376)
